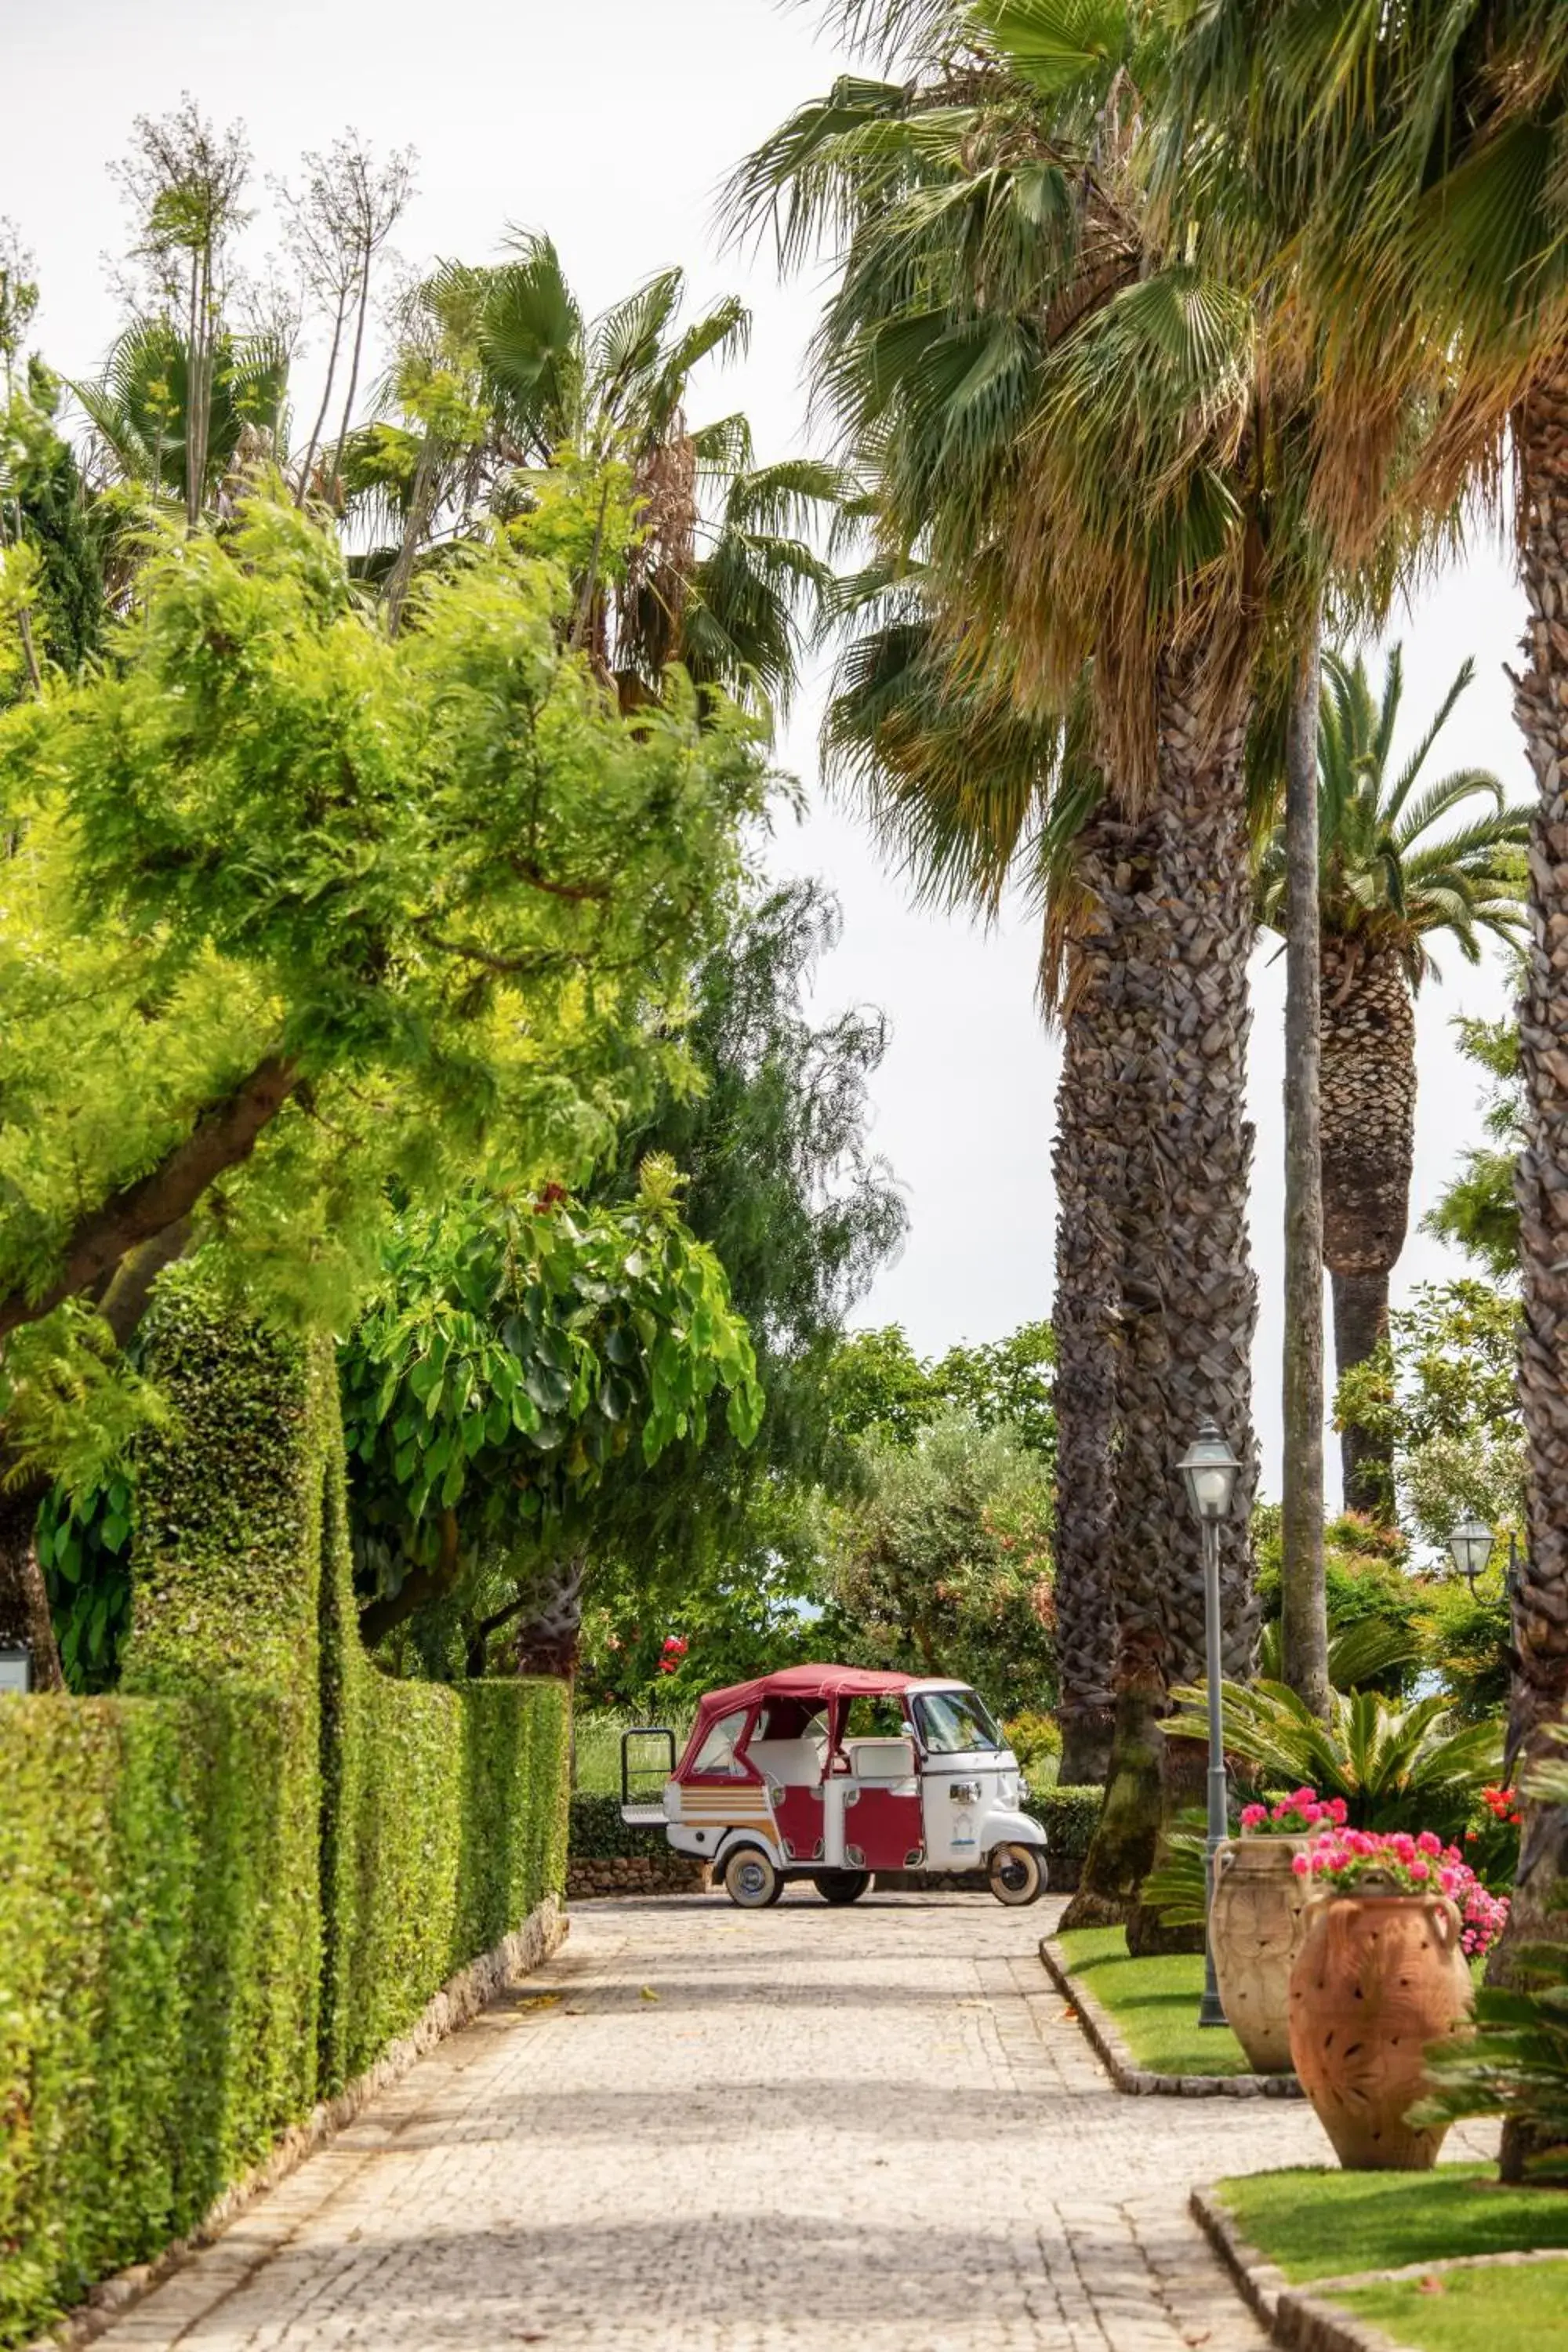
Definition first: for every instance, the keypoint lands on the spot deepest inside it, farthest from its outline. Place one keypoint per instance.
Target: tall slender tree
(1404, 860)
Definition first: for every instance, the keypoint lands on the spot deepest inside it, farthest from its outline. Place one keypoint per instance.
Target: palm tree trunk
(1179, 902)
(1369, 1147)
(552, 1631)
(1304, 1628)
(24, 1603)
(1086, 1318)
(1361, 1329)
(1539, 1696)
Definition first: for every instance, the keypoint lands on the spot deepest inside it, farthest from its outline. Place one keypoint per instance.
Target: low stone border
(458, 2003)
(636, 1874)
(1306, 2320)
(1105, 2039)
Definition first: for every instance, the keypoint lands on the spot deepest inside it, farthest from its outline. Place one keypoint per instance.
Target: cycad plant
(1396, 1765)
(1404, 858)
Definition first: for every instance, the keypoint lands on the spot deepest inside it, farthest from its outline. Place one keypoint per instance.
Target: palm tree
(1392, 876)
(1053, 409)
(501, 377)
(971, 794)
(141, 414)
(1418, 156)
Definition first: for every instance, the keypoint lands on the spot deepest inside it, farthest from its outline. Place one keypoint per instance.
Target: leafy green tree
(1479, 1209)
(294, 915)
(879, 1388)
(519, 1368)
(1404, 862)
(714, 1541)
(942, 1565)
(1444, 1402)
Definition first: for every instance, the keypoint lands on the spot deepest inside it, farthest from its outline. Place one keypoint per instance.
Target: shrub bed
(223, 1893)
(1067, 1816)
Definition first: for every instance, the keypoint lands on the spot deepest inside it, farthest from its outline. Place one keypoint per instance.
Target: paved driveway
(703, 2130)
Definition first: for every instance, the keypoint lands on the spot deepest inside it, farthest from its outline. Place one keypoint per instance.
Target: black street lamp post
(1210, 1470)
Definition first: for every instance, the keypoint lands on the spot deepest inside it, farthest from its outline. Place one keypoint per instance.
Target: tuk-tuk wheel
(752, 1878)
(841, 1885)
(1017, 1874)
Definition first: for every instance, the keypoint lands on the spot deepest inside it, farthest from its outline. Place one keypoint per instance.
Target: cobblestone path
(703, 2130)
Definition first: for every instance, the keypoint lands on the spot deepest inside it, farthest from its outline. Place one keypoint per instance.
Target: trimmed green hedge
(599, 1834)
(1067, 1816)
(222, 1897)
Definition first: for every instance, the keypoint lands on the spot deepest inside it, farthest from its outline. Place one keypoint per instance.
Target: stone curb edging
(1139, 2081)
(1296, 2320)
(458, 2003)
(1305, 2321)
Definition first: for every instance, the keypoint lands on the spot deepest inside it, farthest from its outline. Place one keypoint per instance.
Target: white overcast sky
(611, 124)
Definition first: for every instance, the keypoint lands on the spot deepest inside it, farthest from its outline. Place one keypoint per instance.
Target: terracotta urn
(1379, 1975)
(1256, 1926)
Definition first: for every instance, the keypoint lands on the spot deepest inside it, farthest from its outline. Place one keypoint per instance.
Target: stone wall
(635, 1873)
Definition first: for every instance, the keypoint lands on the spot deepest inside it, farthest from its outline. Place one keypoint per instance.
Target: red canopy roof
(807, 1682)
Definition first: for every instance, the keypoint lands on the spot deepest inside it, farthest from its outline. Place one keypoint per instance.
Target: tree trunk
(1304, 1628)
(24, 1603)
(1360, 1328)
(1085, 1320)
(552, 1630)
(1540, 1694)
(1369, 1149)
(1178, 899)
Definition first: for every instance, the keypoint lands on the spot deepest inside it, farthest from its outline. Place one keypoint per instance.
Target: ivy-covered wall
(224, 1892)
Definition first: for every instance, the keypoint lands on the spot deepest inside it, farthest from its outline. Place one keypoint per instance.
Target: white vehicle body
(771, 1769)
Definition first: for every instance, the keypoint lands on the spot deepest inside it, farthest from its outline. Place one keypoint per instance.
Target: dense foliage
(359, 913)
(942, 1565)
(522, 1369)
(219, 1903)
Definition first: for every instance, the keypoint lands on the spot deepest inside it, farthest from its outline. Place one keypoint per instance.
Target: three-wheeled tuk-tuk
(779, 1779)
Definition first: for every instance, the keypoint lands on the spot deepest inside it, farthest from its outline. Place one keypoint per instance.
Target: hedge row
(1067, 1816)
(221, 1897)
(598, 1834)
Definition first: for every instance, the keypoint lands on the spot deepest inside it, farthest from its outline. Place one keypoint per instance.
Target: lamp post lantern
(1210, 1469)
(16, 1667)
(1470, 1548)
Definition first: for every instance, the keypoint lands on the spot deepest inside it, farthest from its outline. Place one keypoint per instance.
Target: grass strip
(1471, 2311)
(1326, 2224)
(1154, 2004)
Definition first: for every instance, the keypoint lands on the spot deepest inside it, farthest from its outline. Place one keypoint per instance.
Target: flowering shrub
(674, 1650)
(1345, 1858)
(1490, 1841)
(1294, 1816)
(1502, 1805)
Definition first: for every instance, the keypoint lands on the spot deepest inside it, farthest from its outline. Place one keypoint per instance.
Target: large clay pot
(1256, 1923)
(1378, 1976)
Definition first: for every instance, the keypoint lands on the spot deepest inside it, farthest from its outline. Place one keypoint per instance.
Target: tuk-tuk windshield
(952, 1721)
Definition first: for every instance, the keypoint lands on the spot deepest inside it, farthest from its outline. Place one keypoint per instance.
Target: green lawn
(596, 1756)
(1322, 2224)
(1155, 2004)
(1474, 2311)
